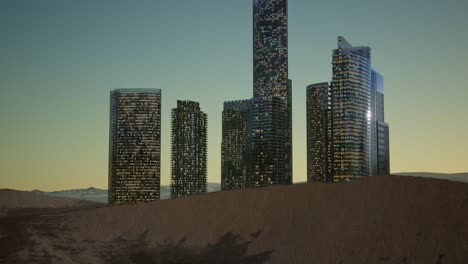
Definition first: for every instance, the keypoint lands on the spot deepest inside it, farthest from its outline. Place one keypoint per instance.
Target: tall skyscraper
(351, 111)
(270, 47)
(234, 145)
(270, 58)
(134, 145)
(268, 139)
(189, 149)
(380, 129)
(318, 141)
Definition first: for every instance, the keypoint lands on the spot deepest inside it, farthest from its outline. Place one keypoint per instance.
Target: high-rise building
(351, 111)
(267, 153)
(380, 129)
(270, 77)
(189, 149)
(318, 110)
(268, 139)
(270, 47)
(134, 145)
(383, 149)
(234, 146)
(373, 153)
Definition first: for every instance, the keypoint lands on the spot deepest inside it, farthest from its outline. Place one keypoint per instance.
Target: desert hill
(387, 219)
(460, 177)
(12, 199)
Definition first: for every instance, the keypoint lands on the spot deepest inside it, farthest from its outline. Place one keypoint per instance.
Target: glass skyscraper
(347, 136)
(188, 150)
(134, 145)
(351, 111)
(380, 129)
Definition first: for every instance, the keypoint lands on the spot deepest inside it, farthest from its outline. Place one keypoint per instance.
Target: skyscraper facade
(234, 145)
(270, 47)
(134, 145)
(271, 151)
(268, 141)
(351, 111)
(318, 110)
(188, 150)
(380, 129)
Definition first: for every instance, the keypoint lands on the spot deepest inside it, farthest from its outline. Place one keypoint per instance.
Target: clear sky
(60, 58)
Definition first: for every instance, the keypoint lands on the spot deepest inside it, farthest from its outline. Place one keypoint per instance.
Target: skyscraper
(268, 142)
(380, 129)
(271, 84)
(351, 111)
(234, 145)
(318, 110)
(134, 145)
(189, 149)
(270, 47)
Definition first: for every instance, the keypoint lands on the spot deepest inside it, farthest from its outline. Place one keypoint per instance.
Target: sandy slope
(12, 199)
(372, 220)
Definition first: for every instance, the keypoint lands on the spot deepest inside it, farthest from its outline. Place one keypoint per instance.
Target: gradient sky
(60, 59)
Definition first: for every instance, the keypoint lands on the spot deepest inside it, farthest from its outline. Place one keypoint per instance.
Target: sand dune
(460, 177)
(372, 220)
(12, 199)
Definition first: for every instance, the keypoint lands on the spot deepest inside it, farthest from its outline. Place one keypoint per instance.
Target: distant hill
(100, 195)
(388, 219)
(12, 199)
(460, 177)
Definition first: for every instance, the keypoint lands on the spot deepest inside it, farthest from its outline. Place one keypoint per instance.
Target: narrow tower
(189, 149)
(318, 110)
(380, 128)
(234, 150)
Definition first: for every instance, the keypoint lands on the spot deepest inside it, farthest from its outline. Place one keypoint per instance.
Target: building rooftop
(138, 90)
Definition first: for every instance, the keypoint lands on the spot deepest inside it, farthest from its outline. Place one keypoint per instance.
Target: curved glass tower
(351, 111)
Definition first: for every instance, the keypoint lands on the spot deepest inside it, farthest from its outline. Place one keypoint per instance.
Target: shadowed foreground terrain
(372, 220)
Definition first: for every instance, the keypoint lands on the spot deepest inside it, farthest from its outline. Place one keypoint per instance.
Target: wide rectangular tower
(134, 145)
(268, 142)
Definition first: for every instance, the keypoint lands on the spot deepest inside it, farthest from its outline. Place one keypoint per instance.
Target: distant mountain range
(459, 177)
(100, 195)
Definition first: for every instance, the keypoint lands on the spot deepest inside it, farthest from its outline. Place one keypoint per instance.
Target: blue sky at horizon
(60, 59)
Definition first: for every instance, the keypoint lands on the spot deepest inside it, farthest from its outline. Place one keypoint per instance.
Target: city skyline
(59, 98)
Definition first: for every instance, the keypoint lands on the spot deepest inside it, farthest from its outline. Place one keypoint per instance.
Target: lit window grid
(134, 149)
